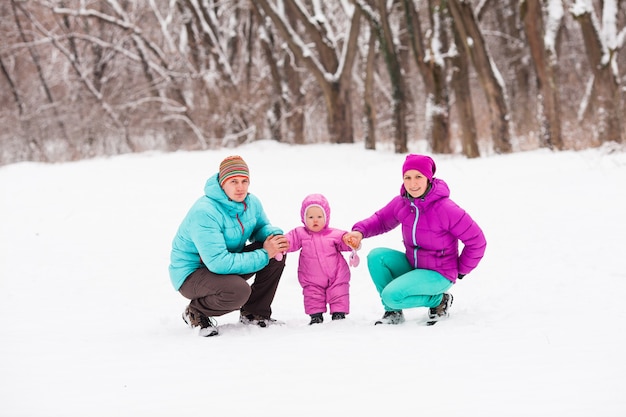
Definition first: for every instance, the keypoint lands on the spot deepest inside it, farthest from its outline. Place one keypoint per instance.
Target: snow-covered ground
(90, 325)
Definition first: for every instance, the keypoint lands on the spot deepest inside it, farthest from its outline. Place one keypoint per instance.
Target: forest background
(86, 78)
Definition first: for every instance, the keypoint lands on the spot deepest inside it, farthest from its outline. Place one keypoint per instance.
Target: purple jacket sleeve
(380, 222)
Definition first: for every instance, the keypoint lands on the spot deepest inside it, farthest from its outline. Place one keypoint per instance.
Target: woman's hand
(353, 239)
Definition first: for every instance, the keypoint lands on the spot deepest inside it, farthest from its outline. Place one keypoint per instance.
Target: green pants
(399, 285)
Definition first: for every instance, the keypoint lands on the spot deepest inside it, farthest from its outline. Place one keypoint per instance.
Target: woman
(223, 241)
(432, 226)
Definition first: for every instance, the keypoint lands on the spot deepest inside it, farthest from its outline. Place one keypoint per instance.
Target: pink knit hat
(422, 163)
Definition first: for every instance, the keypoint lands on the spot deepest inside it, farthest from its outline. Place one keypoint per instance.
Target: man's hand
(275, 244)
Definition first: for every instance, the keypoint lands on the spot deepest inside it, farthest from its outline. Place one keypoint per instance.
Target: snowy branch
(554, 21)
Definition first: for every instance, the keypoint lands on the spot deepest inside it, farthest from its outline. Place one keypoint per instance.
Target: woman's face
(236, 188)
(314, 218)
(415, 183)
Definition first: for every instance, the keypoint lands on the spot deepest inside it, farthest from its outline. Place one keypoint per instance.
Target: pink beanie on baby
(422, 163)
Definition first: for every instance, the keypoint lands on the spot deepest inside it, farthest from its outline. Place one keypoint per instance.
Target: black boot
(338, 316)
(316, 318)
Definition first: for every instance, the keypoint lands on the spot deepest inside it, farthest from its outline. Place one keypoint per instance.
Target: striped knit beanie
(233, 166)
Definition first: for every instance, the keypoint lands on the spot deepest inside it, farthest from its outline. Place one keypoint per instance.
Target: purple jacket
(432, 226)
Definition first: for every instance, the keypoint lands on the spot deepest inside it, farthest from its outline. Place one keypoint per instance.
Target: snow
(580, 7)
(91, 326)
(554, 20)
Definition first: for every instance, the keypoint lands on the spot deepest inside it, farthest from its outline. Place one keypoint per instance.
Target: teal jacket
(214, 233)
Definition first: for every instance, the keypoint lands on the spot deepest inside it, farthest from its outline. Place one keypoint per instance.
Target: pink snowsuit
(323, 271)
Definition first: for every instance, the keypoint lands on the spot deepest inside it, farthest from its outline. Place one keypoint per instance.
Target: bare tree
(601, 53)
(379, 20)
(544, 59)
(286, 117)
(103, 77)
(14, 92)
(474, 43)
(331, 66)
(16, 6)
(268, 45)
(429, 56)
(460, 83)
(509, 39)
(369, 102)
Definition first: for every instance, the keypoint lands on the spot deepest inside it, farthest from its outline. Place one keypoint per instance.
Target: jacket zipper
(239, 220)
(413, 231)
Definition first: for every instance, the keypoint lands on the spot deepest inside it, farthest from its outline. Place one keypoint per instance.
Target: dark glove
(461, 276)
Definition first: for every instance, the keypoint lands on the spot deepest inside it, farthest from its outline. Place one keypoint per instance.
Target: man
(224, 240)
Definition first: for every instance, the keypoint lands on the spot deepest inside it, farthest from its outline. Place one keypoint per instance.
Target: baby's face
(314, 219)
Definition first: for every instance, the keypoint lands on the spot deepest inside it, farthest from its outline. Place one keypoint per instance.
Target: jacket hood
(315, 200)
(215, 192)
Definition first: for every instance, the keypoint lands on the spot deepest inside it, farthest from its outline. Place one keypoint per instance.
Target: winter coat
(321, 264)
(214, 233)
(432, 226)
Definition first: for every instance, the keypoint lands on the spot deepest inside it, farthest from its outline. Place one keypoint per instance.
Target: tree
(460, 83)
(473, 41)
(601, 47)
(286, 119)
(379, 20)
(369, 103)
(431, 62)
(327, 62)
(102, 77)
(18, 9)
(545, 61)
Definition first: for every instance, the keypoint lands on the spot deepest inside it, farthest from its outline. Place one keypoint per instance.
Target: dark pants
(215, 295)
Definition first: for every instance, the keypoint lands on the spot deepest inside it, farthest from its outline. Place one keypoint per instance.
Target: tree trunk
(35, 57)
(335, 85)
(606, 86)
(368, 92)
(439, 103)
(380, 24)
(463, 93)
(516, 66)
(433, 74)
(474, 43)
(295, 102)
(398, 87)
(295, 106)
(545, 67)
(275, 119)
(13, 87)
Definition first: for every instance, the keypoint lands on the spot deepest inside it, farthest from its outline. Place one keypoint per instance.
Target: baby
(323, 271)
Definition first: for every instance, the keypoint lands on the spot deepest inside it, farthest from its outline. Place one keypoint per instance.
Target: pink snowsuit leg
(338, 296)
(314, 298)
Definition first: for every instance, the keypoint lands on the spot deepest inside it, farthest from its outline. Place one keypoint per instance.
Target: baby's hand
(353, 239)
